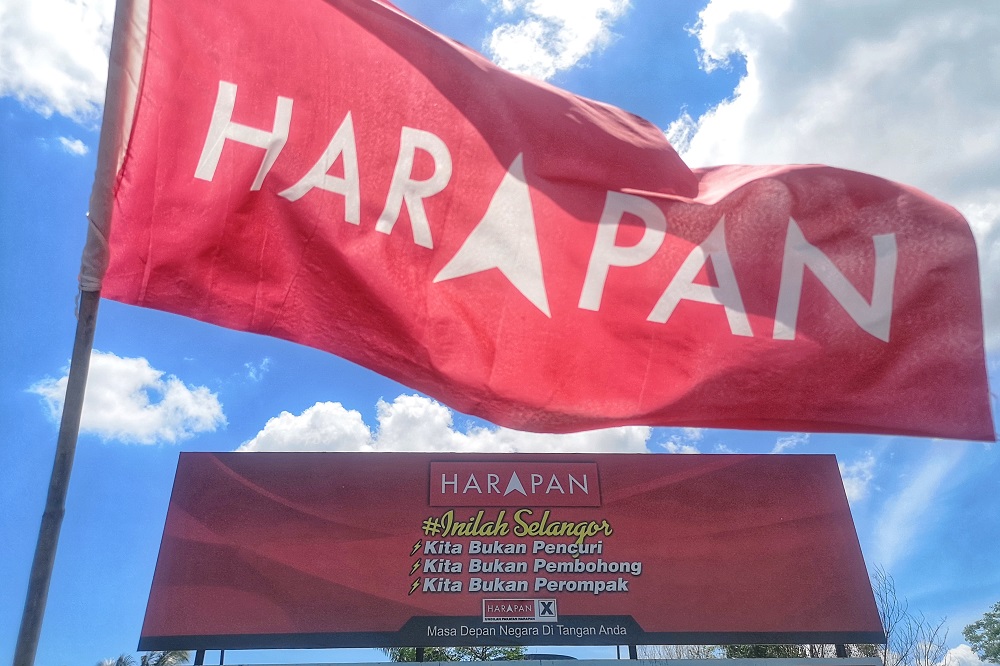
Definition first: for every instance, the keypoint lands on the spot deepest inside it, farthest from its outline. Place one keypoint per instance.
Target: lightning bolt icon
(413, 588)
(416, 565)
(417, 546)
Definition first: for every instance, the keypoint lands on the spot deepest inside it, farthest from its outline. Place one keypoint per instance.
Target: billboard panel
(384, 549)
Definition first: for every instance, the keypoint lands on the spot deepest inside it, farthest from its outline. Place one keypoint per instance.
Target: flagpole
(55, 503)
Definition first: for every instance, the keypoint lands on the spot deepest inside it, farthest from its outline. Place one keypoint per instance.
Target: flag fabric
(336, 174)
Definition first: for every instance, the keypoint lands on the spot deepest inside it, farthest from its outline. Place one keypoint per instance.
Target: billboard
(403, 549)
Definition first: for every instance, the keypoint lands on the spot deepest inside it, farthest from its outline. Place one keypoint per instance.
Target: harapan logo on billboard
(520, 610)
(514, 484)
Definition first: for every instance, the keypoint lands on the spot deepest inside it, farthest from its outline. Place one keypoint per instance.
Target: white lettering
(875, 318)
(222, 127)
(341, 145)
(606, 254)
(472, 483)
(683, 286)
(413, 192)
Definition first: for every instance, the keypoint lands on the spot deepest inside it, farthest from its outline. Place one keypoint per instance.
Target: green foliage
(486, 653)
(155, 658)
(863, 650)
(164, 658)
(984, 635)
(410, 654)
(764, 651)
(122, 660)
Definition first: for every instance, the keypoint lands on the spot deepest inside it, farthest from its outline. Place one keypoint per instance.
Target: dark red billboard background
(353, 549)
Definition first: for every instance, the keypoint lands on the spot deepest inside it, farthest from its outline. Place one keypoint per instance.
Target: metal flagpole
(55, 503)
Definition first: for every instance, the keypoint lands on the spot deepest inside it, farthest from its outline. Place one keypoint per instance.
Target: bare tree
(679, 651)
(911, 639)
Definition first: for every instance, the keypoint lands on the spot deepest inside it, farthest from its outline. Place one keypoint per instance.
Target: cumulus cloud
(553, 35)
(683, 440)
(961, 656)
(130, 401)
(416, 423)
(903, 89)
(858, 477)
(326, 426)
(73, 146)
(54, 54)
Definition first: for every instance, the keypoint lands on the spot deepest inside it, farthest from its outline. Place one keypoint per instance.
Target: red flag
(336, 174)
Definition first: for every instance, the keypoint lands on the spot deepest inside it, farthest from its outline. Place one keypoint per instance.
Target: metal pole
(55, 503)
(633, 652)
(199, 657)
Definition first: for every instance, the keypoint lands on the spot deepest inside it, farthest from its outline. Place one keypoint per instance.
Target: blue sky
(906, 90)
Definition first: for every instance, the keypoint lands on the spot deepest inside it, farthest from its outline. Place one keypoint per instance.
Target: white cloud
(903, 89)
(961, 655)
(858, 477)
(693, 434)
(130, 401)
(554, 35)
(908, 513)
(326, 426)
(789, 442)
(73, 146)
(415, 423)
(683, 440)
(54, 54)
(256, 371)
